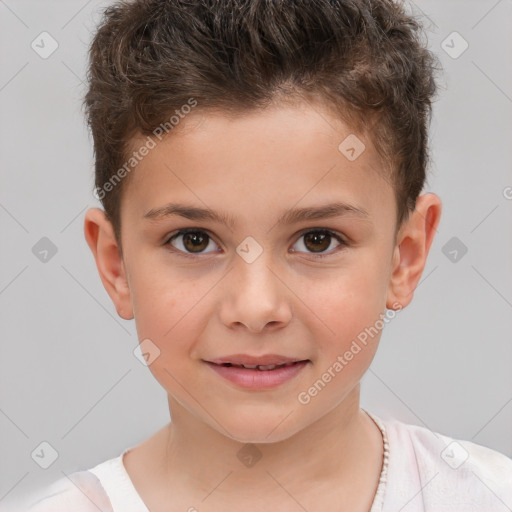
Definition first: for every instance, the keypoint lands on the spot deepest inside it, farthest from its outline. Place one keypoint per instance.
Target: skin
(325, 454)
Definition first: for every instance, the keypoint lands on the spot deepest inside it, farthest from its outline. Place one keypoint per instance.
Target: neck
(343, 449)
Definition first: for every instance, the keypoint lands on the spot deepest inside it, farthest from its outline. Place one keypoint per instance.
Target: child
(233, 139)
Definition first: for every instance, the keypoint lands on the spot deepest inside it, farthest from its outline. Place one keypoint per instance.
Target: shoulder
(447, 470)
(455, 453)
(81, 491)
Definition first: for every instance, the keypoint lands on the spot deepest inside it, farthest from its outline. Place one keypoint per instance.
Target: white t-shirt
(427, 472)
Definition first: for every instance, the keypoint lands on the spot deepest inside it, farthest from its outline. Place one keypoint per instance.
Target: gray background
(68, 375)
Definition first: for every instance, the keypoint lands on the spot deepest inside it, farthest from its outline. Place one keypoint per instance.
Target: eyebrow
(292, 216)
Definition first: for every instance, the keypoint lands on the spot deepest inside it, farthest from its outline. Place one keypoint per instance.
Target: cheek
(346, 314)
(165, 302)
(170, 313)
(170, 318)
(349, 299)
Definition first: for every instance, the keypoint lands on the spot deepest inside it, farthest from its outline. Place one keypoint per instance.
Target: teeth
(267, 367)
(259, 366)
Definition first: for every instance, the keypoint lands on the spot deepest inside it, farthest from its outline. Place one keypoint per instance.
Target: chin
(273, 428)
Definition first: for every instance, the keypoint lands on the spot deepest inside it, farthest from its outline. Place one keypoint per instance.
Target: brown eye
(193, 241)
(318, 241)
(190, 242)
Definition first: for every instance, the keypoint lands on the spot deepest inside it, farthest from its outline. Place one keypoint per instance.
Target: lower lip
(258, 379)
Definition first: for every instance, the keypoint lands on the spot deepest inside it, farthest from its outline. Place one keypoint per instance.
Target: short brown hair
(365, 59)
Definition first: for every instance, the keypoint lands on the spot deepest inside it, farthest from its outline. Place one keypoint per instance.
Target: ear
(99, 234)
(413, 244)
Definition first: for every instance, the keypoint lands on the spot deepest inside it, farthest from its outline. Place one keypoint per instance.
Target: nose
(255, 296)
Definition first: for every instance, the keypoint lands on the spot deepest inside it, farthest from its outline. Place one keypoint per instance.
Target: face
(257, 280)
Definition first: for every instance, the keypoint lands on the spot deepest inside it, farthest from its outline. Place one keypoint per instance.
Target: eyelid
(342, 237)
(342, 240)
(184, 231)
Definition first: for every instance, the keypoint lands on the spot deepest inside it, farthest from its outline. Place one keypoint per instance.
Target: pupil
(318, 237)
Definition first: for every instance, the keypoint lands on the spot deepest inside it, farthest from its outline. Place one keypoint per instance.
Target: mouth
(263, 362)
(258, 373)
(260, 367)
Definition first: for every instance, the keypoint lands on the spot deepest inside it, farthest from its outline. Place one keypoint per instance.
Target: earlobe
(413, 245)
(99, 235)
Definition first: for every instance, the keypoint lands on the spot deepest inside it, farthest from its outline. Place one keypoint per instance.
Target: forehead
(259, 163)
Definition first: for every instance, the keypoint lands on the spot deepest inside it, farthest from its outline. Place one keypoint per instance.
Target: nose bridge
(254, 268)
(256, 295)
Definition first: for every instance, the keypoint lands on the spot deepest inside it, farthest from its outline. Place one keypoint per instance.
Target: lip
(262, 360)
(255, 379)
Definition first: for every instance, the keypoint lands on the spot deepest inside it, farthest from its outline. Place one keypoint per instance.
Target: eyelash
(179, 252)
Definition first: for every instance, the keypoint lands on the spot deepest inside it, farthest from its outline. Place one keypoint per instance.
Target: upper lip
(265, 359)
